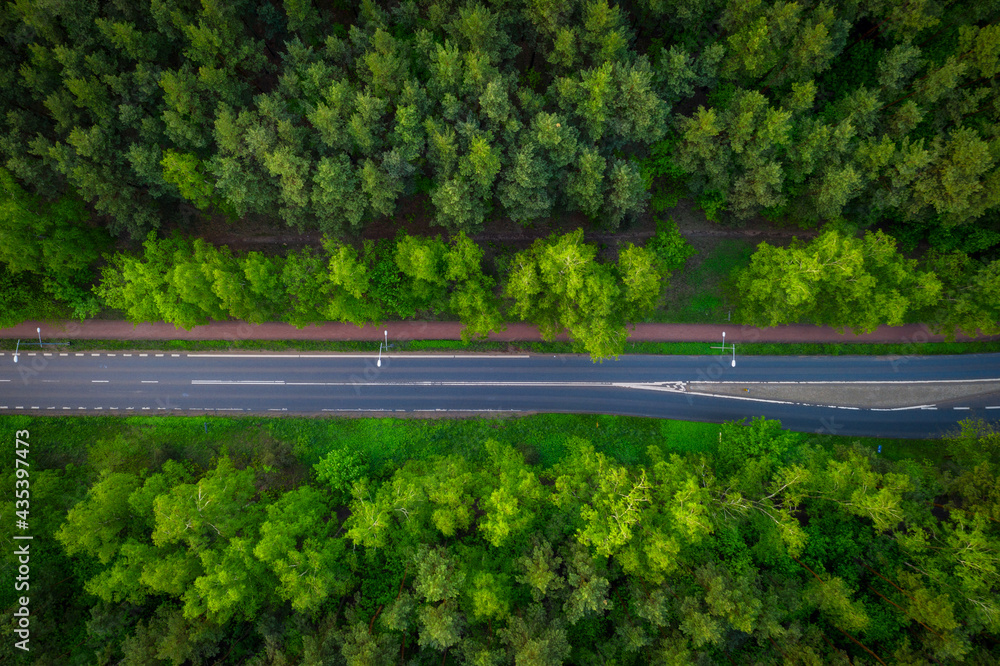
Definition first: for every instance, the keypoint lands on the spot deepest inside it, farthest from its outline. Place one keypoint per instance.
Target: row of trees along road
(558, 283)
(119, 119)
(770, 551)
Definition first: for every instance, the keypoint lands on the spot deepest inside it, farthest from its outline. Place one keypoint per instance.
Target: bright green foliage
(437, 576)
(512, 503)
(234, 584)
(217, 506)
(192, 278)
(340, 469)
(669, 246)
(540, 570)
(557, 284)
(642, 275)
(835, 280)
(422, 262)
(614, 509)
(605, 33)
(969, 294)
(263, 288)
(305, 280)
(588, 556)
(396, 509)
(729, 598)
(448, 488)
(472, 298)
(349, 284)
(833, 598)
(45, 238)
(586, 585)
(140, 288)
(759, 439)
(976, 449)
(440, 626)
(490, 596)
(296, 545)
(95, 525)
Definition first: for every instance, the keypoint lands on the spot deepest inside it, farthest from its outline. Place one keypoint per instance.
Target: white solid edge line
(429, 409)
(866, 381)
(738, 397)
(900, 409)
(372, 355)
(236, 382)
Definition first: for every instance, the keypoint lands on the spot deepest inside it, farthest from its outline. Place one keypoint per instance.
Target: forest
(128, 128)
(540, 540)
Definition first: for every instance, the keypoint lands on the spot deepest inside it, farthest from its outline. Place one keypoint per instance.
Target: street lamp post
(18, 346)
(734, 354)
(39, 331)
(379, 362)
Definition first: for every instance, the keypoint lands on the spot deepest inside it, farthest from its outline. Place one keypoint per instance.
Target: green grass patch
(698, 292)
(665, 348)
(384, 444)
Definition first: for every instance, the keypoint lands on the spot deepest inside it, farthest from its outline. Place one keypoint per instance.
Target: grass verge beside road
(138, 442)
(665, 348)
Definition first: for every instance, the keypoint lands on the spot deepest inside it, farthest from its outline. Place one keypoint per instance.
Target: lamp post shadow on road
(40, 343)
(723, 348)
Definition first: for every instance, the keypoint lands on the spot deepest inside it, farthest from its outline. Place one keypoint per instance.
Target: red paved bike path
(437, 330)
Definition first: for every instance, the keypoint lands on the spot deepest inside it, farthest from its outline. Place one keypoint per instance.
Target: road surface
(67, 382)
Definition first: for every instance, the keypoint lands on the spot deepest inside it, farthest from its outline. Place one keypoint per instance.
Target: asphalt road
(56, 382)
